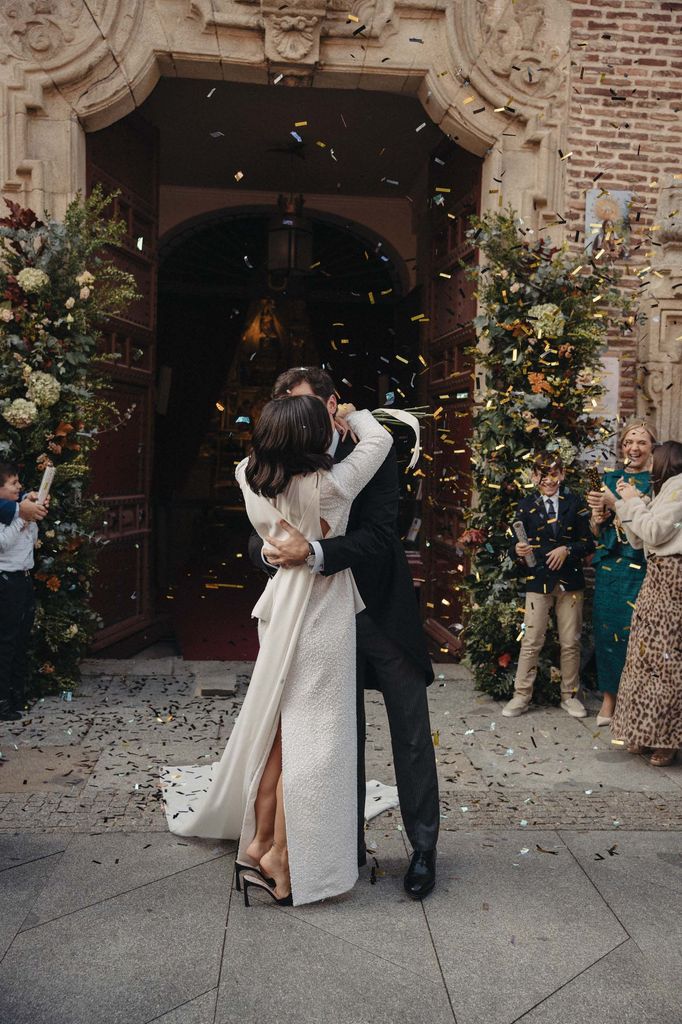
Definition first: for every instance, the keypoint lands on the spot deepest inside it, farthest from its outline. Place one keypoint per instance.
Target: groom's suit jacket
(372, 549)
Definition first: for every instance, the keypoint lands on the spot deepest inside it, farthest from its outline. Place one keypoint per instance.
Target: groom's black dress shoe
(421, 874)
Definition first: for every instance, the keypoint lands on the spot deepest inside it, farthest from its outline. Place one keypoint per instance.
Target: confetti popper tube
(522, 537)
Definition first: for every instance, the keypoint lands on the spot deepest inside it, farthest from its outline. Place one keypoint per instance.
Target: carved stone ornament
(520, 46)
(293, 30)
(37, 30)
(291, 37)
(669, 211)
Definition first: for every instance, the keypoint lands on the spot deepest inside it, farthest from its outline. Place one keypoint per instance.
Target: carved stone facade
(661, 348)
(77, 66)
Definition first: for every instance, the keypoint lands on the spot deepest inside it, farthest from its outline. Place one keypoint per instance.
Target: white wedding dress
(305, 673)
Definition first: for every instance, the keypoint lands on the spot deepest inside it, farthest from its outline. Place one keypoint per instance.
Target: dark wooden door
(123, 158)
(451, 305)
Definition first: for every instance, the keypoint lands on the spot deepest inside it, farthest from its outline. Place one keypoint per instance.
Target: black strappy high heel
(240, 868)
(259, 882)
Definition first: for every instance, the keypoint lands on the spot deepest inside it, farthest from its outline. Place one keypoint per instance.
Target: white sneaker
(574, 708)
(518, 705)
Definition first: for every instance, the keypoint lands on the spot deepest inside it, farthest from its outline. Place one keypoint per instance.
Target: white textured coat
(305, 675)
(657, 526)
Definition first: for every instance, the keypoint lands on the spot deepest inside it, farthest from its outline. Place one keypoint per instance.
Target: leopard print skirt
(649, 706)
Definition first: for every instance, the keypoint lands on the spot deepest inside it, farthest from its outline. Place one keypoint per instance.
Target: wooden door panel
(123, 159)
(451, 309)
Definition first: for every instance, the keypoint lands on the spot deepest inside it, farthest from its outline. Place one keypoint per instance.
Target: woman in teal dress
(619, 568)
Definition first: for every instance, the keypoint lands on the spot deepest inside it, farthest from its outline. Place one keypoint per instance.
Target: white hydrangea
(30, 280)
(21, 413)
(566, 450)
(547, 319)
(43, 388)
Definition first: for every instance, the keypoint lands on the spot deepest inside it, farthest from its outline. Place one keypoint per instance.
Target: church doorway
(229, 321)
(377, 291)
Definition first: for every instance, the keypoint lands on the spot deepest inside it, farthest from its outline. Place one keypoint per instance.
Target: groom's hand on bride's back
(288, 552)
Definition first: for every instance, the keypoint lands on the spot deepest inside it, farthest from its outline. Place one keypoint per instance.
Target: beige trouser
(569, 617)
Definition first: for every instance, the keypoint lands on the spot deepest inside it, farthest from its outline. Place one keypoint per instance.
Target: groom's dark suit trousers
(401, 681)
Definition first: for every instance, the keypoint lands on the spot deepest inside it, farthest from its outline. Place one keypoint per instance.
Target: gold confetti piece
(402, 359)
(417, 316)
(370, 295)
(442, 188)
(469, 99)
(238, 175)
(320, 143)
(300, 124)
(436, 738)
(446, 276)
(352, 17)
(422, 360)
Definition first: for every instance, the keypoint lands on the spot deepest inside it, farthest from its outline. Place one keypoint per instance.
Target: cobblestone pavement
(559, 892)
(92, 764)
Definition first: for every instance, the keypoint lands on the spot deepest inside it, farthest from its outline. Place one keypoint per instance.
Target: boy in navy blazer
(557, 524)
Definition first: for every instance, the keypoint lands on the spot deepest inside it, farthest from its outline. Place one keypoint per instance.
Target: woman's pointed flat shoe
(603, 719)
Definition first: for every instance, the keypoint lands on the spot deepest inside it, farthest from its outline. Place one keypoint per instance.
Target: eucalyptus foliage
(57, 287)
(542, 332)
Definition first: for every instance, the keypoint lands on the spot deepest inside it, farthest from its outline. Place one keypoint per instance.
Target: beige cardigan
(656, 527)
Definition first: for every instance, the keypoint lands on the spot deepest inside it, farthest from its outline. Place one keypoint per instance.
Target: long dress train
(304, 677)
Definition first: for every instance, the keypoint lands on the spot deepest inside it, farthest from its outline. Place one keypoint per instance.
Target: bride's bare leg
(275, 863)
(265, 806)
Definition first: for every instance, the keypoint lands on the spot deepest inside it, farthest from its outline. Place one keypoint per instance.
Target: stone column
(660, 350)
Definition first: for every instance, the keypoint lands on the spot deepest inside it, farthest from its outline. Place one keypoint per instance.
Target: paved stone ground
(559, 896)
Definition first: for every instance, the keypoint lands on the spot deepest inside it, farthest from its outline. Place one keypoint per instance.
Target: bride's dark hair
(292, 436)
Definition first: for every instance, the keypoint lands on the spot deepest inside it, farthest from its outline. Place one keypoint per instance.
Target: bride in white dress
(286, 784)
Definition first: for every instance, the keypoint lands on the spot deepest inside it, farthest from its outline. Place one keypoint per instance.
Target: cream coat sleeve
(654, 525)
(358, 468)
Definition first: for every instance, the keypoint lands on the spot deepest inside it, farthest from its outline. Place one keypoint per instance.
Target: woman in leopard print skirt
(648, 714)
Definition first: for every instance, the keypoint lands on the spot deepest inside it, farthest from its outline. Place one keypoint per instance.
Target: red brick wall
(630, 49)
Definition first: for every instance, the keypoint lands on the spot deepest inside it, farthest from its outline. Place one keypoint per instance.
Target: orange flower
(46, 668)
(538, 384)
(504, 660)
(54, 583)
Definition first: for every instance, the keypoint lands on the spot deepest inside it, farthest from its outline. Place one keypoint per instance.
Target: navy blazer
(573, 530)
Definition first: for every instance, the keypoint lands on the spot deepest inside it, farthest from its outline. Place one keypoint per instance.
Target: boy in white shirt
(17, 602)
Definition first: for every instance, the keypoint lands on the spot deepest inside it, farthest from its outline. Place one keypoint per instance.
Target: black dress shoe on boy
(421, 874)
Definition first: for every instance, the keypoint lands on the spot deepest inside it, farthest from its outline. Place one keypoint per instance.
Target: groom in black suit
(391, 647)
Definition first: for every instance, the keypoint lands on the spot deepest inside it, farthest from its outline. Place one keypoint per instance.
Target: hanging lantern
(290, 238)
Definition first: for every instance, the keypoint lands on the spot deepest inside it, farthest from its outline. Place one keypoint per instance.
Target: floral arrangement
(57, 287)
(542, 329)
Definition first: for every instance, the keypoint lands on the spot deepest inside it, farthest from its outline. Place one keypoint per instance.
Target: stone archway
(493, 77)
